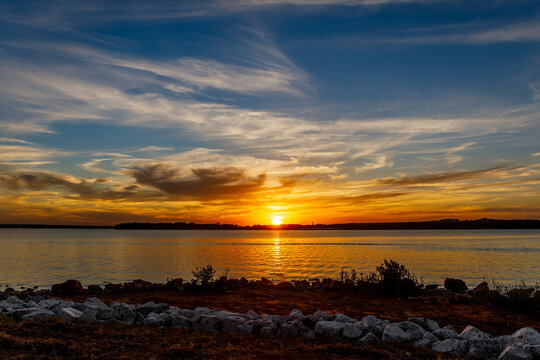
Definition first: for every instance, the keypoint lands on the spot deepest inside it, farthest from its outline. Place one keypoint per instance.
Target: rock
(124, 312)
(481, 292)
(179, 321)
(310, 321)
(266, 330)
(323, 315)
(403, 332)
(296, 314)
(354, 330)
(484, 348)
(20, 312)
(515, 353)
(252, 315)
(472, 333)
(447, 332)
(207, 323)
(455, 285)
(187, 313)
(14, 300)
(89, 315)
(344, 318)
(34, 298)
(203, 310)
(369, 338)
(103, 312)
(293, 328)
(150, 307)
(525, 335)
(67, 288)
(232, 323)
(94, 289)
(426, 324)
(329, 328)
(277, 319)
(154, 319)
(450, 347)
(426, 341)
(48, 304)
(371, 320)
(38, 314)
(69, 314)
(431, 286)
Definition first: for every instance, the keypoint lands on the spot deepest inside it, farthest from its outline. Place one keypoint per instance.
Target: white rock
(403, 332)
(231, 324)
(14, 300)
(69, 313)
(38, 314)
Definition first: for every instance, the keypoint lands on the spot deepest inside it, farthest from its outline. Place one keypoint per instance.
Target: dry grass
(57, 339)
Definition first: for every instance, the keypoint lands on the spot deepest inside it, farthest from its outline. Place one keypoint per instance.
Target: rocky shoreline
(521, 345)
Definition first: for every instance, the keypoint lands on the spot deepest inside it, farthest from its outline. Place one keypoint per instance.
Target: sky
(252, 112)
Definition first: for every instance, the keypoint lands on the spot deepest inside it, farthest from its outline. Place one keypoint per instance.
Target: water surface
(47, 256)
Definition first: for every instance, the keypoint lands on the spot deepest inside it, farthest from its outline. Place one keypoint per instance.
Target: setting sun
(277, 220)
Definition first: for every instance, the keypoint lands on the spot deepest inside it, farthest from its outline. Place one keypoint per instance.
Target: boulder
(515, 353)
(124, 312)
(154, 319)
(187, 313)
(329, 328)
(296, 314)
(450, 347)
(69, 313)
(267, 330)
(447, 332)
(293, 328)
(310, 321)
(89, 315)
(20, 312)
(207, 323)
(323, 315)
(67, 288)
(203, 310)
(94, 289)
(252, 315)
(472, 333)
(455, 285)
(14, 300)
(232, 324)
(525, 335)
(369, 338)
(403, 332)
(150, 307)
(484, 348)
(38, 314)
(481, 292)
(354, 330)
(426, 324)
(179, 321)
(344, 318)
(426, 341)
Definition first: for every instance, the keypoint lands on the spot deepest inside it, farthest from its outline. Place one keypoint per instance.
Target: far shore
(443, 224)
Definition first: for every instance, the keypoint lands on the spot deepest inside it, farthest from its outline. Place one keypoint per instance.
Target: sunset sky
(245, 111)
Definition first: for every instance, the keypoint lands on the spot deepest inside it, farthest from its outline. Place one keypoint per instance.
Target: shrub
(395, 279)
(204, 275)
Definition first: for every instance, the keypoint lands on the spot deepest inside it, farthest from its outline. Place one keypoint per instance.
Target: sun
(277, 220)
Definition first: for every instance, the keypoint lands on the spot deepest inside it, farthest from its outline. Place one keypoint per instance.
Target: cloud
(82, 188)
(205, 183)
(380, 162)
(438, 177)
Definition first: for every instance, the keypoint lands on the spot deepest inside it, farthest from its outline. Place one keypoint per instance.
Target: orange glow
(277, 220)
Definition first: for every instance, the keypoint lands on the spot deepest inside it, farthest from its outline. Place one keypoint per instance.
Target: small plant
(204, 275)
(395, 279)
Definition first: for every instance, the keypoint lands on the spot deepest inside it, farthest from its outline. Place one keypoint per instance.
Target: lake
(47, 256)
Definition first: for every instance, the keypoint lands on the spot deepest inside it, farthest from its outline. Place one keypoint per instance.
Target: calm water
(44, 257)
